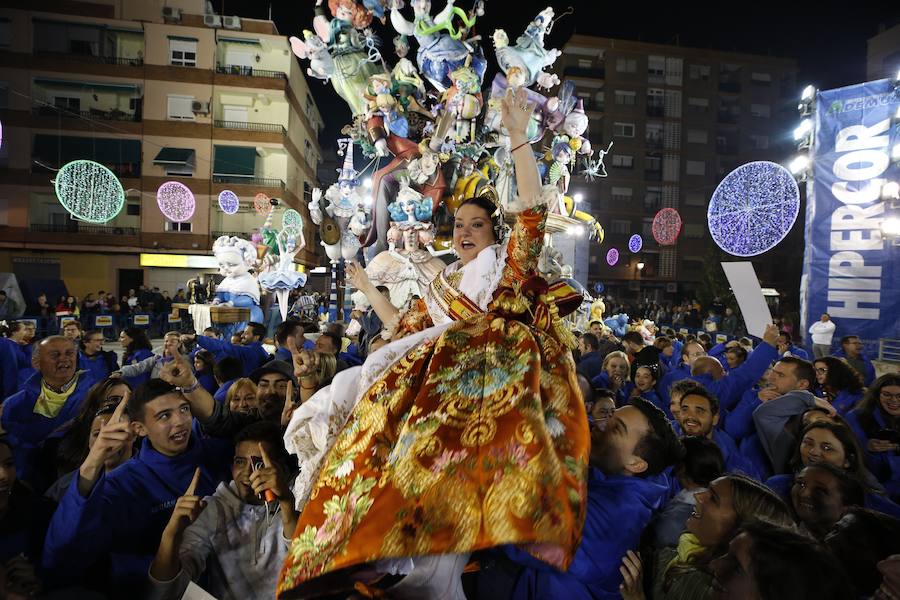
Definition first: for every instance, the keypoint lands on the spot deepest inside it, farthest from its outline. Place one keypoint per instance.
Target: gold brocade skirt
(475, 439)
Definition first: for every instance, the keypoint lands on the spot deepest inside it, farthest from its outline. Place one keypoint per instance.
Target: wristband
(525, 143)
(191, 388)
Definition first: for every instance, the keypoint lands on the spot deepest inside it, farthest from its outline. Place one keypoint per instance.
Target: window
(626, 65)
(656, 67)
(623, 130)
(585, 98)
(185, 170)
(647, 227)
(180, 108)
(133, 209)
(697, 136)
(760, 110)
(694, 230)
(652, 198)
(620, 227)
(624, 98)
(695, 199)
(759, 142)
(183, 52)
(170, 226)
(67, 103)
(584, 63)
(654, 134)
(5, 33)
(700, 102)
(656, 101)
(764, 79)
(653, 162)
(624, 161)
(695, 167)
(700, 72)
(621, 194)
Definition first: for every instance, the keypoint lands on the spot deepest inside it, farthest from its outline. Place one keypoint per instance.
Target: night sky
(827, 39)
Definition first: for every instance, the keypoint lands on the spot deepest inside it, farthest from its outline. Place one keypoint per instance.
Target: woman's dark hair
(840, 376)
(852, 492)
(209, 361)
(859, 541)
(73, 447)
(844, 435)
(702, 461)
(497, 224)
(785, 564)
(139, 340)
(865, 410)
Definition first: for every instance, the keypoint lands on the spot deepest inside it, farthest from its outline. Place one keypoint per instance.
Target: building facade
(883, 53)
(156, 91)
(680, 119)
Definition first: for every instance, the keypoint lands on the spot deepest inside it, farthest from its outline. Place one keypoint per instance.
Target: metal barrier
(248, 126)
(889, 350)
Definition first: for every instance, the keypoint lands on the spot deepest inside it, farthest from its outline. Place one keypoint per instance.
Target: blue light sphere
(635, 243)
(753, 209)
(228, 202)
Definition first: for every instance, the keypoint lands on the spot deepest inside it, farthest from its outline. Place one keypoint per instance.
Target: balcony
(93, 113)
(244, 71)
(257, 181)
(728, 117)
(655, 110)
(730, 87)
(77, 227)
(586, 72)
(654, 143)
(86, 57)
(246, 126)
(652, 175)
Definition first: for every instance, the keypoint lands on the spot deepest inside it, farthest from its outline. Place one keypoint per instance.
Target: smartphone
(888, 435)
(256, 465)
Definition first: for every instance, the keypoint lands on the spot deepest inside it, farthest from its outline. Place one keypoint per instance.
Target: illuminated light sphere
(635, 243)
(612, 257)
(228, 202)
(753, 209)
(291, 219)
(261, 203)
(89, 191)
(666, 226)
(176, 201)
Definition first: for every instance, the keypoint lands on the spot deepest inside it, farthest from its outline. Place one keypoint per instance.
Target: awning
(175, 156)
(182, 38)
(59, 150)
(130, 88)
(237, 40)
(234, 160)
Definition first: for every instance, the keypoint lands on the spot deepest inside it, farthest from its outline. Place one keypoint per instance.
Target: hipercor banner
(850, 270)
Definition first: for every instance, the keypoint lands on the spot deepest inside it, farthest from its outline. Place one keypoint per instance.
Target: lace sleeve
(525, 243)
(415, 319)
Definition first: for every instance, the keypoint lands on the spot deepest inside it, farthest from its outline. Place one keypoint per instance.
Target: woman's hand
(876, 445)
(516, 112)
(632, 571)
(358, 277)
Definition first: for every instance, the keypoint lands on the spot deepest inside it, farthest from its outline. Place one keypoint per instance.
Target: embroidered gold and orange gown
(469, 432)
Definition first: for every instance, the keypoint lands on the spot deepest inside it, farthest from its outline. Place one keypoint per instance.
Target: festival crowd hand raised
(305, 362)
(187, 508)
(177, 371)
(113, 437)
(269, 481)
(770, 336)
(358, 277)
(516, 111)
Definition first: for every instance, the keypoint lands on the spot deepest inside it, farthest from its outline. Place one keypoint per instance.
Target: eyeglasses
(886, 395)
(821, 370)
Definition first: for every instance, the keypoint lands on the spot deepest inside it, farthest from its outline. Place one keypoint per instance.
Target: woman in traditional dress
(468, 431)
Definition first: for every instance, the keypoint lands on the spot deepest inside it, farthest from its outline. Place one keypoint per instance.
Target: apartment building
(680, 119)
(883, 53)
(156, 91)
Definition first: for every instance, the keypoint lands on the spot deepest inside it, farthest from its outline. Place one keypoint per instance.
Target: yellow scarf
(688, 546)
(50, 402)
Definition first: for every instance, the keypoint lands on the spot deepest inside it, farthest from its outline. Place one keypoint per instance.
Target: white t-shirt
(822, 332)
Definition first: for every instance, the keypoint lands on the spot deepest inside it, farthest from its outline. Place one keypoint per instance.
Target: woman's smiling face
(472, 231)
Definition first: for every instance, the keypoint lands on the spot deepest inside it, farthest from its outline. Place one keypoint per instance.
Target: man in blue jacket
(729, 387)
(591, 363)
(11, 362)
(637, 444)
(689, 353)
(50, 398)
(120, 515)
(852, 350)
(94, 358)
(250, 351)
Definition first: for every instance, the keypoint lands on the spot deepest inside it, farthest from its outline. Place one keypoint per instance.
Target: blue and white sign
(849, 270)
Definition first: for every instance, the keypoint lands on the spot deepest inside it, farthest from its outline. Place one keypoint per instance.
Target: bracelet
(191, 388)
(303, 387)
(525, 143)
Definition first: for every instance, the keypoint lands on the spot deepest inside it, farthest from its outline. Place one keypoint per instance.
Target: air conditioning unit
(212, 20)
(200, 108)
(171, 13)
(231, 22)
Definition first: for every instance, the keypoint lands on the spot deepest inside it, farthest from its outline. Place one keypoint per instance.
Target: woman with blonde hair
(241, 396)
(615, 374)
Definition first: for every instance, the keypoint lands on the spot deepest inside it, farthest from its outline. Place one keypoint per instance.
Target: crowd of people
(469, 445)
